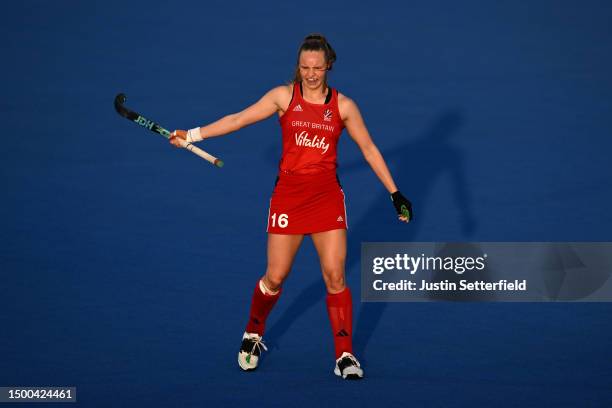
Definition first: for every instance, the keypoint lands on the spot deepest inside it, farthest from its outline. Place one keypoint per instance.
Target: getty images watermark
(486, 271)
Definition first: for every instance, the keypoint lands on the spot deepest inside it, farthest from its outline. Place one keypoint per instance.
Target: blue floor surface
(127, 266)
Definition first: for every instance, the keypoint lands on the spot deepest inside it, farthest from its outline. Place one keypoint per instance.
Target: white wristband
(194, 135)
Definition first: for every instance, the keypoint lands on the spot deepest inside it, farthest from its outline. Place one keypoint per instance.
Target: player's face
(313, 68)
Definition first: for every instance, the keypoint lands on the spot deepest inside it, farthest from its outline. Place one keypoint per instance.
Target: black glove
(402, 205)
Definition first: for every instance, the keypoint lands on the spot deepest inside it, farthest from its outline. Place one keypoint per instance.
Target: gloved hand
(403, 206)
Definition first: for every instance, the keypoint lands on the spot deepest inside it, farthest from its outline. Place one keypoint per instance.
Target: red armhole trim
(336, 107)
(293, 98)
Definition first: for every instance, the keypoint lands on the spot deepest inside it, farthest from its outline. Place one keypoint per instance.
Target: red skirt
(307, 203)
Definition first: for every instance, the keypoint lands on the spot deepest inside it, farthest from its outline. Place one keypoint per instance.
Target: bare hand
(177, 137)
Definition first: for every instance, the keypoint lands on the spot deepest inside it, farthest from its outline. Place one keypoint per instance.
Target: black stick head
(119, 101)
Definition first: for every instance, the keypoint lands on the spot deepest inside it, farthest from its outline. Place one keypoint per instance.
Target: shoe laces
(257, 343)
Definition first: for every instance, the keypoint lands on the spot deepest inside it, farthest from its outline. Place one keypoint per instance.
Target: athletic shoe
(348, 367)
(250, 349)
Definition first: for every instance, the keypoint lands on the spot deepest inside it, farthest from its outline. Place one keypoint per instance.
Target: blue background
(127, 266)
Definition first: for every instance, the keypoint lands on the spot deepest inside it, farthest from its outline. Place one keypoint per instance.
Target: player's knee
(335, 285)
(334, 280)
(272, 281)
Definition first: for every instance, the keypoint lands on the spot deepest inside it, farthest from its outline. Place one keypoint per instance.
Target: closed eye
(317, 68)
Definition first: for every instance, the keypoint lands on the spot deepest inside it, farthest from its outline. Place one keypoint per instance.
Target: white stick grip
(196, 150)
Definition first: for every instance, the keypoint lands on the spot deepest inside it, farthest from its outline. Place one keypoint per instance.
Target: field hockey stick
(154, 127)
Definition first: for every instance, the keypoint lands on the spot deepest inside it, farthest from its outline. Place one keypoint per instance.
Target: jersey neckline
(328, 97)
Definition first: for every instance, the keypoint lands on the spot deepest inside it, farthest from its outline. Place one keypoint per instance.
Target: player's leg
(331, 247)
(281, 252)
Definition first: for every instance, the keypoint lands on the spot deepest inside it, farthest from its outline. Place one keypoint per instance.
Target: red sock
(340, 310)
(260, 309)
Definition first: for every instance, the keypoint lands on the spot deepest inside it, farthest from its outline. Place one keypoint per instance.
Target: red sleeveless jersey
(310, 134)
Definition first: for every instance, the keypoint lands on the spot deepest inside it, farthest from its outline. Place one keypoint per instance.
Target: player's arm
(353, 121)
(269, 104)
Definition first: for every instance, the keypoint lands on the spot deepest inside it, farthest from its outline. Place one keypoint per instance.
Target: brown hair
(315, 42)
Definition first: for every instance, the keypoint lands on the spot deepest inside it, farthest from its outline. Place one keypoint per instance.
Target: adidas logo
(297, 108)
(342, 333)
(340, 219)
